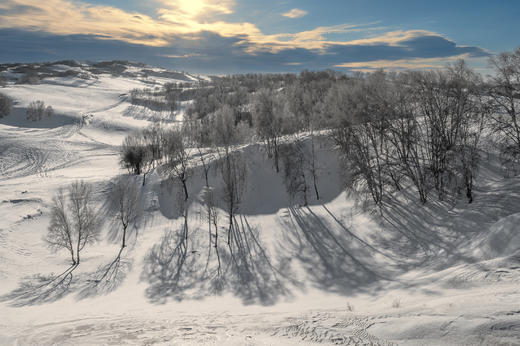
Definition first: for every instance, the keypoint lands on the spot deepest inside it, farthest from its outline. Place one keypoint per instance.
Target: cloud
(181, 56)
(403, 64)
(295, 13)
(194, 8)
(197, 35)
(175, 18)
(63, 17)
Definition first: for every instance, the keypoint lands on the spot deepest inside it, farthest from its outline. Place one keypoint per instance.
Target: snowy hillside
(337, 271)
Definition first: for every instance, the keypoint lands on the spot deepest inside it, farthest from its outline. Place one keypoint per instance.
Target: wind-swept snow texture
(330, 273)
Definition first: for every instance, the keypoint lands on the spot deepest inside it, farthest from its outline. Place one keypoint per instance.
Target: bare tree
(360, 133)
(473, 108)
(449, 106)
(294, 162)
(313, 167)
(505, 91)
(60, 232)
(124, 203)
(267, 117)
(178, 158)
(234, 174)
(198, 131)
(152, 139)
(408, 153)
(74, 222)
(223, 132)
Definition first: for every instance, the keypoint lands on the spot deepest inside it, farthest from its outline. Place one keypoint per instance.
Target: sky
(240, 36)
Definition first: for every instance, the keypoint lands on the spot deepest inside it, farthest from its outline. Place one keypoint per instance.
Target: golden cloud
(295, 13)
(66, 18)
(404, 64)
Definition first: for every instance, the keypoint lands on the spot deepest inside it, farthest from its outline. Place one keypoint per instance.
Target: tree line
(420, 128)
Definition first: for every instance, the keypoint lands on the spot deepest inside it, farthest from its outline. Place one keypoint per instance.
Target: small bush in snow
(37, 110)
(5, 105)
(29, 78)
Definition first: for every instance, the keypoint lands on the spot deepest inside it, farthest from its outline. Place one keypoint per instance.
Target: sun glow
(192, 7)
(197, 8)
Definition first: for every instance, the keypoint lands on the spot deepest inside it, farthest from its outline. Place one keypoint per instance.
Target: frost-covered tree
(74, 222)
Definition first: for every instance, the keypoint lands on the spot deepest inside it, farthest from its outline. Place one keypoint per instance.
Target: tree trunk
(206, 169)
(124, 237)
(305, 202)
(186, 225)
(230, 228)
(185, 188)
(276, 156)
(469, 189)
(313, 153)
(315, 187)
(216, 233)
(78, 247)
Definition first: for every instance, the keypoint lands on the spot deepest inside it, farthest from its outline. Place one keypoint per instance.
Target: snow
(443, 273)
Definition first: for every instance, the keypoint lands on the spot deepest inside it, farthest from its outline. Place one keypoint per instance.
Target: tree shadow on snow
(184, 266)
(107, 278)
(334, 260)
(439, 233)
(252, 275)
(172, 268)
(40, 289)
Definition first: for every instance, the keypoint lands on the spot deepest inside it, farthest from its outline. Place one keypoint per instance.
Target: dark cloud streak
(209, 52)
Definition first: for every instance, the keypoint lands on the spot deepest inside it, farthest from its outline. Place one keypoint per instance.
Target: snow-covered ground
(332, 273)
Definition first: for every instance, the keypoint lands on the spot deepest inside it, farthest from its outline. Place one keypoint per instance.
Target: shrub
(5, 105)
(29, 78)
(3, 81)
(37, 110)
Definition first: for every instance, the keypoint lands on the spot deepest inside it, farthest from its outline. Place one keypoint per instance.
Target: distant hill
(33, 73)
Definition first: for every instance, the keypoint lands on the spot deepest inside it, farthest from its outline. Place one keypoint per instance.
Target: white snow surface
(443, 273)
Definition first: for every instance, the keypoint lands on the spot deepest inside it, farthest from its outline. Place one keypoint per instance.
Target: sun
(192, 7)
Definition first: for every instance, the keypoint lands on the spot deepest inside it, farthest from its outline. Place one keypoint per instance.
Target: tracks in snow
(221, 329)
(330, 329)
(41, 151)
